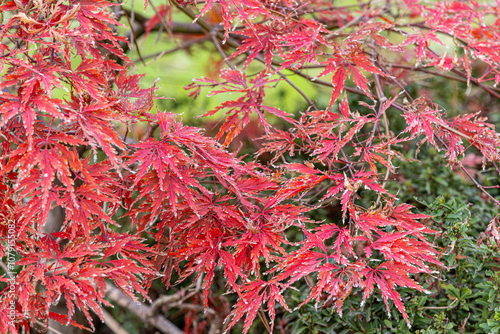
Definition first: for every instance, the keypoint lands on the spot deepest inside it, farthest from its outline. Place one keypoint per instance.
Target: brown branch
(491, 90)
(112, 323)
(141, 310)
(140, 29)
(206, 26)
(215, 326)
(4, 267)
(483, 189)
(133, 36)
(479, 185)
(308, 100)
(381, 97)
(324, 83)
(170, 300)
(163, 23)
(464, 323)
(472, 79)
(263, 318)
(184, 46)
(213, 35)
(496, 167)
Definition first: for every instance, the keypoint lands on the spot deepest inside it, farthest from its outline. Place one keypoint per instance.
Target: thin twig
(381, 97)
(311, 103)
(439, 307)
(472, 178)
(348, 24)
(263, 318)
(496, 167)
(186, 45)
(164, 24)
(478, 185)
(213, 35)
(133, 36)
(463, 325)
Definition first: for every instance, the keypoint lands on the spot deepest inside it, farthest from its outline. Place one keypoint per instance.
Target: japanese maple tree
(192, 208)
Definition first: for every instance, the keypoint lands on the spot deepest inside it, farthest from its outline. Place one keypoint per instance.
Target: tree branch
(112, 323)
(142, 311)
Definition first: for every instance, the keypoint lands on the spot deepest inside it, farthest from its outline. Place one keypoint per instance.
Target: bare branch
(112, 323)
(141, 310)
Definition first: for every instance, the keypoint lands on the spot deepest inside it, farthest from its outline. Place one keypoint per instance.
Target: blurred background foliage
(464, 297)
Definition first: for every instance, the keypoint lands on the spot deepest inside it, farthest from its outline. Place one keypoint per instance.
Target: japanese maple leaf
(422, 40)
(351, 186)
(340, 66)
(409, 220)
(422, 117)
(129, 98)
(163, 176)
(49, 158)
(480, 133)
(204, 254)
(263, 239)
(337, 282)
(246, 10)
(399, 216)
(84, 209)
(91, 119)
(387, 276)
(333, 144)
(278, 142)
(303, 43)
(160, 14)
(398, 247)
(254, 295)
(30, 103)
(43, 74)
(262, 38)
(300, 184)
(251, 102)
(361, 61)
(88, 78)
(342, 245)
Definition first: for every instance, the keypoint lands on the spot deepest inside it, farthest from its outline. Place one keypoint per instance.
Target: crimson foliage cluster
(66, 84)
